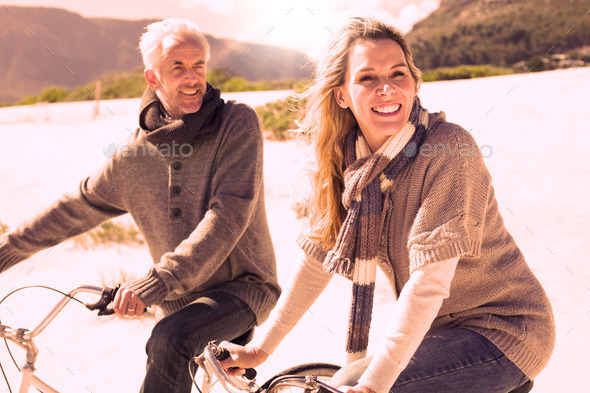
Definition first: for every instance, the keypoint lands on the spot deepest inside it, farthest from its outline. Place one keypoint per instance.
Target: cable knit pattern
(444, 208)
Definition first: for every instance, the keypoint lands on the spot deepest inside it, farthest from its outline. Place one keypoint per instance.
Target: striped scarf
(367, 178)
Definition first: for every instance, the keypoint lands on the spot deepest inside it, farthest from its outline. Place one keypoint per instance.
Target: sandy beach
(532, 130)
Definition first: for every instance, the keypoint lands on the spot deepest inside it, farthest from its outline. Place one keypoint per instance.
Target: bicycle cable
(5, 378)
(6, 341)
(194, 374)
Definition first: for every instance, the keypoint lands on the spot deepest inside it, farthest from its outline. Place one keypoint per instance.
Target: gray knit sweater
(200, 207)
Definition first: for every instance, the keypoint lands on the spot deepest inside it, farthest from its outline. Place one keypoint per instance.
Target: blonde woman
(404, 189)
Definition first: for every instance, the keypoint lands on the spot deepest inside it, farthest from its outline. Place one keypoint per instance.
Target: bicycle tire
(323, 371)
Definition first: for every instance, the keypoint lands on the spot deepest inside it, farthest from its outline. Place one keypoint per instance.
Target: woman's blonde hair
(327, 123)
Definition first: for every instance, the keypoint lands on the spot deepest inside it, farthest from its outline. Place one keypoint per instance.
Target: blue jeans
(457, 360)
(181, 335)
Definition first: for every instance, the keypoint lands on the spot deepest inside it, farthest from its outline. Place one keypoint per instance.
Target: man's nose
(190, 74)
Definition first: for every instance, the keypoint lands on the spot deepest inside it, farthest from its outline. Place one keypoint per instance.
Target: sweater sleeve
(418, 305)
(95, 201)
(236, 186)
(308, 281)
(454, 199)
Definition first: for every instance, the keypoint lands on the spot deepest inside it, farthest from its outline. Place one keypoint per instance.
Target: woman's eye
(366, 78)
(398, 74)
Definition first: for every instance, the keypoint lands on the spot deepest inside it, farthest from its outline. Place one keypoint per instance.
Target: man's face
(181, 78)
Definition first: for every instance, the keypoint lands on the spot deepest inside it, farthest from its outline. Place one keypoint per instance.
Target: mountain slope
(499, 32)
(41, 47)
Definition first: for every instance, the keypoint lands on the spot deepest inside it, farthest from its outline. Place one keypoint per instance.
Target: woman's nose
(386, 89)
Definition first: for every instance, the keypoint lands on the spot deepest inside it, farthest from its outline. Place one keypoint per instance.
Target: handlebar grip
(250, 374)
(221, 354)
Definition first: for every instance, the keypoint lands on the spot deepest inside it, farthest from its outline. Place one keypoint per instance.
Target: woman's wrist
(356, 389)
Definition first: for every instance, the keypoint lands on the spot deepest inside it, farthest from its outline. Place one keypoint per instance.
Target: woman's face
(378, 89)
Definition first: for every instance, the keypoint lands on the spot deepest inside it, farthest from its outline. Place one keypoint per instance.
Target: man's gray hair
(159, 37)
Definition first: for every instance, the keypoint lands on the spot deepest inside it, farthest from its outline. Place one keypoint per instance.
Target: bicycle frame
(307, 383)
(24, 339)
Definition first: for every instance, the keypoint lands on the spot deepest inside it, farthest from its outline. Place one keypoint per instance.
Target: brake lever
(106, 298)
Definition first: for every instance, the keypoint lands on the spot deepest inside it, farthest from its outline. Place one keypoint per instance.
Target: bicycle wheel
(323, 371)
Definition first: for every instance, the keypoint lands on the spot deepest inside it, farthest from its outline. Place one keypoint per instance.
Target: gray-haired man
(191, 178)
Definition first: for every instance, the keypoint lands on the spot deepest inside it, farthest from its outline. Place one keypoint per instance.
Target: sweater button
(176, 212)
(177, 166)
(176, 190)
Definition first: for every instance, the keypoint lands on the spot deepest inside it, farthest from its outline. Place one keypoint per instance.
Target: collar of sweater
(160, 129)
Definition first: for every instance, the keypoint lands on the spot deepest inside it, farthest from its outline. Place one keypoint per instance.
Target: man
(191, 178)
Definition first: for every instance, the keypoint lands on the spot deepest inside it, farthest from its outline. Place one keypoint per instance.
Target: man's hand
(127, 303)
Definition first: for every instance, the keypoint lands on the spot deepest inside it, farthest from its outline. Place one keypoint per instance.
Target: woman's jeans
(457, 360)
(184, 334)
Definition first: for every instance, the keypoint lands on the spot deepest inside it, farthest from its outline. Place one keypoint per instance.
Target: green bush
(464, 72)
(535, 64)
(53, 94)
(278, 117)
(132, 85)
(29, 100)
(110, 233)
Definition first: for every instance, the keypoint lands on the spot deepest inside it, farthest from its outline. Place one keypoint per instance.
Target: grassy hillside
(500, 32)
(43, 47)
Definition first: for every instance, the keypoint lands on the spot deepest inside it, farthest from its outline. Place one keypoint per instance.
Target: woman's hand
(356, 389)
(242, 357)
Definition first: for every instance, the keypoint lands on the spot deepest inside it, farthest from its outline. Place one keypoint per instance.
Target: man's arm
(95, 201)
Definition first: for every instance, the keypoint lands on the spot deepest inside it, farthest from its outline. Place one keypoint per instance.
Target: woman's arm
(308, 280)
(417, 307)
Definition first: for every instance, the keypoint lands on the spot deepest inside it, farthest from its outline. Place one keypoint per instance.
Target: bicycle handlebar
(107, 296)
(223, 353)
(209, 361)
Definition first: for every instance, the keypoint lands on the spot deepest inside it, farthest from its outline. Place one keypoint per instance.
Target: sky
(303, 25)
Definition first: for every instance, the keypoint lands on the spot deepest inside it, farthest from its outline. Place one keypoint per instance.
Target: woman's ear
(151, 79)
(339, 96)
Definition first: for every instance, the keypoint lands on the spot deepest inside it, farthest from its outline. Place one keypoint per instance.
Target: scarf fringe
(339, 265)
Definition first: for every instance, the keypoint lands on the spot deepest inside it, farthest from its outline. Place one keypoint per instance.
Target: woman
(401, 188)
